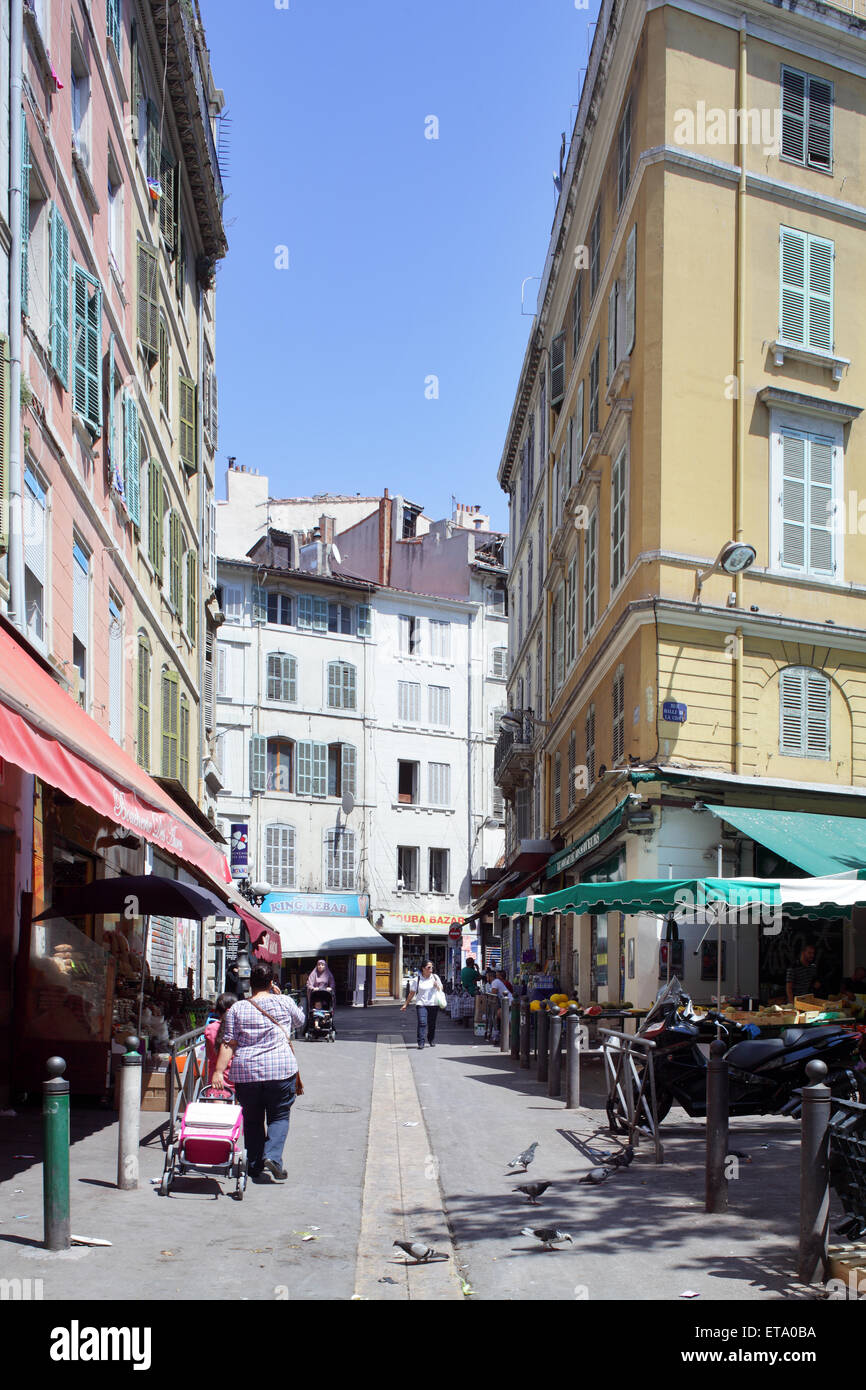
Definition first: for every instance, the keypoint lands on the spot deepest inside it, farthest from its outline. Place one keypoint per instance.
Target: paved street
(432, 1165)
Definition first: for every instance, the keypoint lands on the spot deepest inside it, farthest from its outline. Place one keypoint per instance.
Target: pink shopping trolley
(211, 1142)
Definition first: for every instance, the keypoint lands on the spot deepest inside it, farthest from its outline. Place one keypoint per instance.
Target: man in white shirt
(496, 985)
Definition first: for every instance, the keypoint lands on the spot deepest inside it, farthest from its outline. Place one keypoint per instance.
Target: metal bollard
(554, 1065)
(524, 1033)
(572, 1058)
(515, 1026)
(55, 1170)
(814, 1176)
(129, 1127)
(504, 1026)
(543, 1042)
(717, 1129)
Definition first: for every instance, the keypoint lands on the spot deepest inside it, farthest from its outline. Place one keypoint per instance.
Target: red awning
(44, 731)
(265, 941)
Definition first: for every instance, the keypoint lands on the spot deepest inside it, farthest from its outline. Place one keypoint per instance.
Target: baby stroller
(211, 1142)
(320, 1015)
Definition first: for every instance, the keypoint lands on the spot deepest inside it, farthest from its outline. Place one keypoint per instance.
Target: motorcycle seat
(751, 1054)
(795, 1035)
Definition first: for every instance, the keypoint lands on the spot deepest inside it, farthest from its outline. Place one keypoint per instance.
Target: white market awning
(305, 934)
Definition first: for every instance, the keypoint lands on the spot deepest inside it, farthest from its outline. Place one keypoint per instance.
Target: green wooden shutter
(131, 459)
(155, 546)
(87, 355)
(148, 300)
(214, 410)
(365, 620)
(191, 594)
(25, 211)
(163, 366)
(169, 723)
(557, 369)
(110, 440)
(186, 411)
(183, 751)
(112, 23)
(304, 777)
(258, 763)
(154, 144)
(134, 78)
(59, 297)
(793, 502)
(143, 704)
(820, 302)
(4, 443)
(175, 553)
(260, 604)
(320, 614)
(168, 178)
(792, 298)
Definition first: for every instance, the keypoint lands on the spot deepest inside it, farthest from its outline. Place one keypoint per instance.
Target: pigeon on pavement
(419, 1253)
(623, 1157)
(548, 1235)
(533, 1190)
(523, 1160)
(596, 1175)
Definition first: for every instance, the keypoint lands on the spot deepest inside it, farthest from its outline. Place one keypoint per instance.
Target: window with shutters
(79, 100)
(559, 638)
(618, 519)
(440, 640)
(186, 423)
(408, 777)
(342, 763)
(438, 871)
(192, 594)
(572, 770)
(232, 603)
(340, 859)
(410, 635)
(113, 23)
(804, 713)
(153, 153)
(408, 702)
(590, 576)
(341, 618)
(618, 714)
(59, 296)
(80, 617)
(623, 156)
(407, 868)
(183, 743)
(342, 692)
(312, 613)
(557, 789)
(312, 777)
(279, 609)
(258, 762)
(170, 722)
(595, 252)
(175, 561)
(114, 186)
(259, 604)
(530, 565)
(282, 678)
(807, 475)
(142, 749)
(148, 301)
(440, 706)
(164, 387)
(523, 812)
(807, 119)
(494, 601)
(169, 179)
(589, 744)
(557, 369)
(612, 303)
(571, 614)
(115, 668)
(25, 213)
(131, 458)
(499, 663)
(365, 620)
(155, 515)
(87, 348)
(280, 856)
(577, 316)
(806, 266)
(593, 391)
(539, 671)
(280, 765)
(35, 554)
(497, 803)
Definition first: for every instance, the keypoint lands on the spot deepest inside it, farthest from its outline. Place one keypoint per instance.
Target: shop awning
(45, 732)
(572, 853)
(819, 844)
(264, 940)
(310, 935)
(735, 899)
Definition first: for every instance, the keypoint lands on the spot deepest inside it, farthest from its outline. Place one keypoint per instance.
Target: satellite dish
(348, 803)
(335, 553)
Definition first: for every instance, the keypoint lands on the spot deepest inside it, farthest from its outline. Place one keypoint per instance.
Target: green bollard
(55, 1164)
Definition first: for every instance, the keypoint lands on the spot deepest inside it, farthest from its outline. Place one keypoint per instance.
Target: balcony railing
(513, 741)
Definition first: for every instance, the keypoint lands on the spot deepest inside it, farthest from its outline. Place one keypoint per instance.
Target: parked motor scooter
(763, 1073)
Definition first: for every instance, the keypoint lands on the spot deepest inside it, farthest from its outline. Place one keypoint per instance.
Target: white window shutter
(258, 763)
(304, 774)
(821, 549)
(349, 766)
(820, 306)
(817, 714)
(794, 254)
(320, 769)
(611, 333)
(793, 502)
(630, 280)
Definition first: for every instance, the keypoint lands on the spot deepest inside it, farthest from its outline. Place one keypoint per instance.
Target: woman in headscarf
(320, 978)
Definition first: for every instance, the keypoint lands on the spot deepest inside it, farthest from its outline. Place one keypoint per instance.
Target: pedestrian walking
(214, 1032)
(424, 991)
(470, 976)
(264, 1071)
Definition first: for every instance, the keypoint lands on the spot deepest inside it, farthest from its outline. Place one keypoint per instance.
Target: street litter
(411, 1124)
(88, 1240)
(23, 1155)
(23, 1218)
(689, 1293)
(309, 1237)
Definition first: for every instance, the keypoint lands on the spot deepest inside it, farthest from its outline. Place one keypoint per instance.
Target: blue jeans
(261, 1100)
(426, 1023)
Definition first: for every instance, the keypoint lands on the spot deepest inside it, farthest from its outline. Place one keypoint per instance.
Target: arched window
(341, 685)
(804, 713)
(280, 855)
(282, 678)
(143, 742)
(280, 765)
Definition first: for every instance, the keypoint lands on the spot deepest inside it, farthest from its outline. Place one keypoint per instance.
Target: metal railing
(186, 1076)
(510, 738)
(631, 1097)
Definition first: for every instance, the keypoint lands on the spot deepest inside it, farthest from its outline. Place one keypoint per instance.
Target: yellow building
(692, 380)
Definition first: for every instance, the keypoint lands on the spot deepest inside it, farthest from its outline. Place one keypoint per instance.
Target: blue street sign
(673, 713)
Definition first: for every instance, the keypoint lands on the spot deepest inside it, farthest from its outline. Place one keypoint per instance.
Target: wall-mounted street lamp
(734, 557)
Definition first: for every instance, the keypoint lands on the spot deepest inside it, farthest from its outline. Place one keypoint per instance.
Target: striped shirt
(801, 977)
(263, 1052)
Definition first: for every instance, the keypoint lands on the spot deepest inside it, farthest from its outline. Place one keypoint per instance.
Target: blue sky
(406, 254)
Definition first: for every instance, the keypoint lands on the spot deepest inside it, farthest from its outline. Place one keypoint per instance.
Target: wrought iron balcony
(514, 756)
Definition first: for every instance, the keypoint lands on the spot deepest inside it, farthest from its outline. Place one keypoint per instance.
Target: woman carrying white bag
(429, 998)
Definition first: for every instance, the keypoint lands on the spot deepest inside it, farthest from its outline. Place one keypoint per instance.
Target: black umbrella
(137, 896)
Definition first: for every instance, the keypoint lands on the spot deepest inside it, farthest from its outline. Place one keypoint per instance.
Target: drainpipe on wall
(15, 558)
(740, 451)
